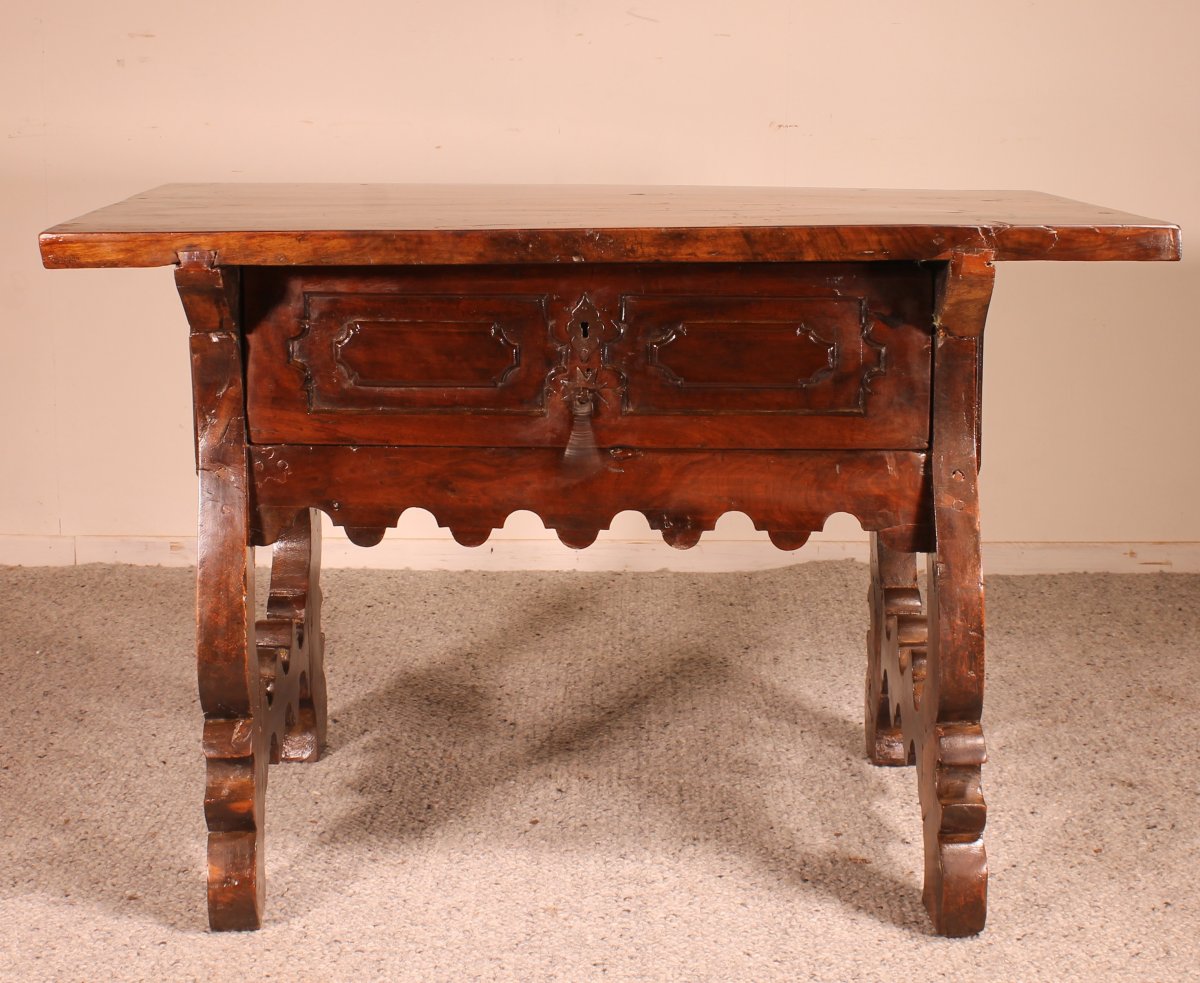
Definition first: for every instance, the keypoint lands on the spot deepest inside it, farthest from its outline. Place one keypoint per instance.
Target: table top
(375, 224)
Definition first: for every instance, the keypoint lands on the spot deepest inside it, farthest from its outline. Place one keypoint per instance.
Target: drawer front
(406, 353)
(806, 355)
(753, 356)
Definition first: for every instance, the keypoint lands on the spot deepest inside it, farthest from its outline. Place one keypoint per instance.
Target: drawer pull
(581, 456)
(588, 331)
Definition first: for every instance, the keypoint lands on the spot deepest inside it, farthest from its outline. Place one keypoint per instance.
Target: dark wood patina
(684, 352)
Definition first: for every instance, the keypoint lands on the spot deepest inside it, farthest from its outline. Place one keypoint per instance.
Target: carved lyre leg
(235, 741)
(262, 687)
(950, 747)
(924, 695)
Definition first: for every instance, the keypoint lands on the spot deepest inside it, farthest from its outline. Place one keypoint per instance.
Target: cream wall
(1091, 404)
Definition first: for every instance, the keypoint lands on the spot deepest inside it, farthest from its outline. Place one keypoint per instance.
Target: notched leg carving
(950, 747)
(286, 723)
(902, 728)
(898, 626)
(236, 774)
(885, 743)
(262, 687)
(956, 873)
(291, 645)
(934, 663)
(235, 744)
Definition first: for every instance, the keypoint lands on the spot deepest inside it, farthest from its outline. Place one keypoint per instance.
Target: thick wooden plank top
(375, 224)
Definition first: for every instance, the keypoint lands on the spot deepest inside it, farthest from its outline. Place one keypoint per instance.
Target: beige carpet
(589, 776)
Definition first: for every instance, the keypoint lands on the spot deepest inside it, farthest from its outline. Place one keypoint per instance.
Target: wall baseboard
(712, 555)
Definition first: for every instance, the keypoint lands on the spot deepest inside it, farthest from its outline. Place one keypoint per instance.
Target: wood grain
(924, 692)
(262, 685)
(380, 224)
(953, 751)
(896, 651)
(235, 743)
(682, 493)
(619, 328)
(576, 352)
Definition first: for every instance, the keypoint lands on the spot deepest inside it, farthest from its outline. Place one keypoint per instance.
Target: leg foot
(233, 807)
(956, 873)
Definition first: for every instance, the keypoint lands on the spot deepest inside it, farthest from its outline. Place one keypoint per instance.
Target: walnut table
(360, 349)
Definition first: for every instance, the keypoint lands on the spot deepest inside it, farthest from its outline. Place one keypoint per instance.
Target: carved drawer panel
(781, 356)
(417, 352)
(749, 354)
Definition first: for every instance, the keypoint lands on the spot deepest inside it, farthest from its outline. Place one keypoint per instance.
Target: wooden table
(360, 349)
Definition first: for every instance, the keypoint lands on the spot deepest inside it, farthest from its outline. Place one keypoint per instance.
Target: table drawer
(753, 356)
(401, 352)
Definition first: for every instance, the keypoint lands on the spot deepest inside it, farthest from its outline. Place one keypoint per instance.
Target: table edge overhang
(62, 249)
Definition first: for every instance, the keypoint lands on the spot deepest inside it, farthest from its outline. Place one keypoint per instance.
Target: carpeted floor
(599, 776)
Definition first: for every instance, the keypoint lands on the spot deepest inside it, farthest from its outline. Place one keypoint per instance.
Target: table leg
(924, 694)
(950, 748)
(262, 687)
(286, 721)
(949, 763)
(236, 743)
